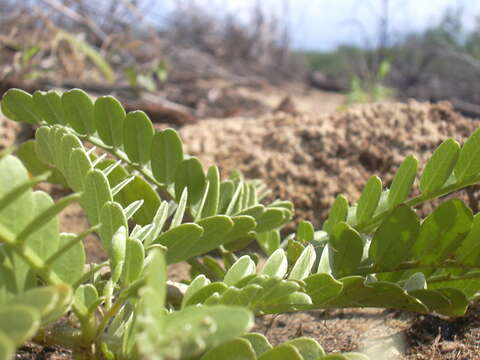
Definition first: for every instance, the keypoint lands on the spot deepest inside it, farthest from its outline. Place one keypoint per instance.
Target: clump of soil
(310, 159)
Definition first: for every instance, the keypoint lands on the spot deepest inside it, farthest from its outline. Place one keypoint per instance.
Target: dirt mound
(310, 159)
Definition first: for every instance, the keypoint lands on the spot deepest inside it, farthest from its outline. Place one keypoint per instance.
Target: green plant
(152, 205)
(148, 79)
(368, 91)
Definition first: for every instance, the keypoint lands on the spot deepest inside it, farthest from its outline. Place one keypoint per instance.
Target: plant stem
(416, 265)
(117, 305)
(162, 189)
(92, 271)
(449, 277)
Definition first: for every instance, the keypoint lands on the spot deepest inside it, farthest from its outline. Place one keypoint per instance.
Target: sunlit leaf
(166, 155)
(403, 181)
(137, 136)
(18, 105)
(78, 109)
(440, 166)
(394, 238)
(109, 117)
(369, 198)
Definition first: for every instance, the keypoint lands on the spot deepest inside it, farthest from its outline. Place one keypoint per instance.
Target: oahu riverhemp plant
(151, 205)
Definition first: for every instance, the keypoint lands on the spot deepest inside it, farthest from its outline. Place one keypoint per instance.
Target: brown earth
(309, 159)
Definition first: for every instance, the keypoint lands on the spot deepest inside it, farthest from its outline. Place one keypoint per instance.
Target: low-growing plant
(372, 88)
(151, 205)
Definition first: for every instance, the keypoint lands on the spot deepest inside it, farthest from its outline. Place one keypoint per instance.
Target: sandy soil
(310, 158)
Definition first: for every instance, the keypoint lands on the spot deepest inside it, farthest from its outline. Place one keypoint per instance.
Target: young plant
(151, 205)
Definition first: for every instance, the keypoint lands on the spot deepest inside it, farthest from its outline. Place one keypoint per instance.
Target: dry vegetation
(192, 67)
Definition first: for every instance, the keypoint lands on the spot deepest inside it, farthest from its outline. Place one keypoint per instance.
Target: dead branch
(58, 6)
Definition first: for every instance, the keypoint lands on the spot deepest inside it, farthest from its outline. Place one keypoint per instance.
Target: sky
(324, 24)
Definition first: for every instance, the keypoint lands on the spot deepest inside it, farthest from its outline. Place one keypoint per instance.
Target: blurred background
(188, 59)
(302, 94)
